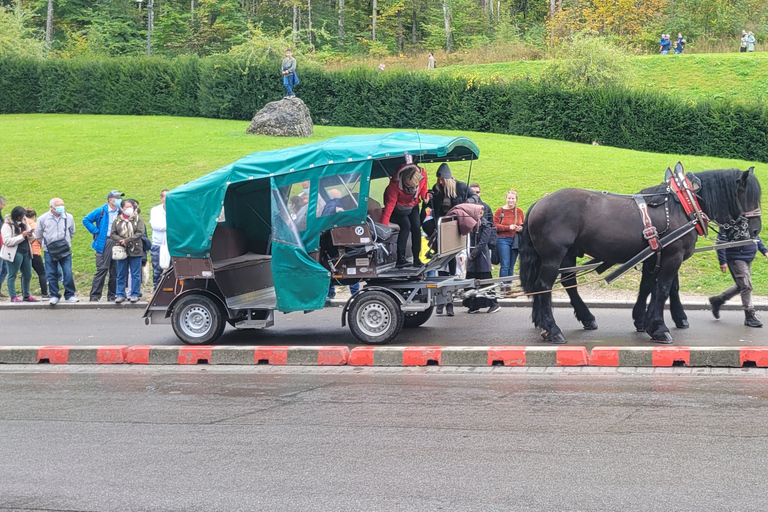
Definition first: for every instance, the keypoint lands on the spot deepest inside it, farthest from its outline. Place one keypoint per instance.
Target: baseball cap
(114, 193)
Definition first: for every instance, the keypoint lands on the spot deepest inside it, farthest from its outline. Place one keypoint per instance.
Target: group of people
(747, 41)
(665, 45)
(45, 245)
(411, 204)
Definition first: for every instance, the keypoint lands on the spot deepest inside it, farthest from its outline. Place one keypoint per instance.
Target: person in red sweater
(508, 220)
(406, 189)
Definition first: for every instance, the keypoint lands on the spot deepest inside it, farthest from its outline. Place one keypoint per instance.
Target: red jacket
(395, 195)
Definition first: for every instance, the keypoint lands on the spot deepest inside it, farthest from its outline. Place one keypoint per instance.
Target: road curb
(525, 356)
(83, 304)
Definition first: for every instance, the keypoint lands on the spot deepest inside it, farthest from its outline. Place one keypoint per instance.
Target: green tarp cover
(243, 190)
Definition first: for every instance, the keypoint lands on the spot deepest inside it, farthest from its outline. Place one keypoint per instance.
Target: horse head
(749, 202)
(731, 198)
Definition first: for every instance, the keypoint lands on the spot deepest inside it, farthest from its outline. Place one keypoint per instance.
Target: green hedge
(228, 88)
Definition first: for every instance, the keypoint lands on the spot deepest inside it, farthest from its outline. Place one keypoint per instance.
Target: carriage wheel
(418, 318)
(197, 320)
(375, 318)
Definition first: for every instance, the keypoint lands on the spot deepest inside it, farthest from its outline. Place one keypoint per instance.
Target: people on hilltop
(508, 220)
(290, 79)
(743, 42)
(158, 225)
(99, 223)
(37, 255)
(55, 229)
(3, 263)
(751, 41)
(680, 45)
(126, 234)
(17, 252)
(665, 44)
(431, 63)
(407, 189)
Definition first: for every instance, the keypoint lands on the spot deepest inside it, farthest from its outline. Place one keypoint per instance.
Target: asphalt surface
(510, 326)
(208, 439)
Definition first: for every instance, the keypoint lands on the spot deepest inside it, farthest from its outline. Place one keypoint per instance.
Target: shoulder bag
(59, 249)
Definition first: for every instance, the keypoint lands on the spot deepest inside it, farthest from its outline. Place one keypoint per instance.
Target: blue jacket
(97, 224)
(744, 253)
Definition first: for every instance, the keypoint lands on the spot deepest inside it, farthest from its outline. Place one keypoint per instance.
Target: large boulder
(288, 117)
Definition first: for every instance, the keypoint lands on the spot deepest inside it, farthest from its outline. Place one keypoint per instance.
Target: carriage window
(339, 193)
(296, 196)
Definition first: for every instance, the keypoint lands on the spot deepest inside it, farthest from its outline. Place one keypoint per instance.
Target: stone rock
(288, 117)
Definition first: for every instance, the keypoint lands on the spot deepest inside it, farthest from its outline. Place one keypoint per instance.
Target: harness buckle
(652, 236)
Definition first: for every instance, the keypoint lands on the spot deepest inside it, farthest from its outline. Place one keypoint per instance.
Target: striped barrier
(535, 356)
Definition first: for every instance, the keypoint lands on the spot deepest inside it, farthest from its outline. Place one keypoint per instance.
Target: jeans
(409, 223)
(157, 270)
(21, 262)
(53, 275)
(741, 271)
(132, 265)
(3, 272)
(507, 256)
(288, 84)
(104, 264)
(39, 268)
(353, 289)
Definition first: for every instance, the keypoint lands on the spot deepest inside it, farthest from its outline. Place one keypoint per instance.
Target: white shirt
(157, 223)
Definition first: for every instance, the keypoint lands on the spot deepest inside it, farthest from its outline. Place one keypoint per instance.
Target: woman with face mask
(127, 231)
(17, 252)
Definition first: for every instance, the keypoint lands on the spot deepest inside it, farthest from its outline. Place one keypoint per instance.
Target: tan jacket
(10, 241)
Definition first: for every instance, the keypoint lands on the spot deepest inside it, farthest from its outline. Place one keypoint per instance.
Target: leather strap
(649, 230)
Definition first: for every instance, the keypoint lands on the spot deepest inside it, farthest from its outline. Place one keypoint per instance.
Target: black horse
(608, 227)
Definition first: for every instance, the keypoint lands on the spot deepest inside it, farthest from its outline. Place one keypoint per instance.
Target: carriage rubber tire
(375, 318)
(197, 320)
(418, 318)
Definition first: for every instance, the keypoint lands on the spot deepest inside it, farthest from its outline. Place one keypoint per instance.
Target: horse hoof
(590, 325)
(556, 339)
(663, 337)
(682, 324)
(640, 328)
(544, 334)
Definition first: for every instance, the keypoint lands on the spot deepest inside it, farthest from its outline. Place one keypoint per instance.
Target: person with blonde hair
(406, 190)
(508, 220)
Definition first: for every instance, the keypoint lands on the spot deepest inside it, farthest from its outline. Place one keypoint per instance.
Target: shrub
(589, 62)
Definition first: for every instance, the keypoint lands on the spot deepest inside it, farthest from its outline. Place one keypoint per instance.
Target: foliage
(16, 36)
(589, 62)
(82, 157)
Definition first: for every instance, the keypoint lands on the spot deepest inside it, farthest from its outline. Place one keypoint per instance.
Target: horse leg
(547, 275)
(676, 307)
(582, 312)
(647, 283)
(654, 317)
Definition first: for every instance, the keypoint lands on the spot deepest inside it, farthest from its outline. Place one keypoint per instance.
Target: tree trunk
(309, 25)
(552, 8)
(295, 22)
(373, 21)
(192, 8)
(49, 25)
(447, 20)
(400, 34)
(341, 21)
(413, 28)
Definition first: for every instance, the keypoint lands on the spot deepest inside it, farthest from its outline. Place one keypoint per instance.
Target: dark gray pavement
(510, 326)
(209, 439)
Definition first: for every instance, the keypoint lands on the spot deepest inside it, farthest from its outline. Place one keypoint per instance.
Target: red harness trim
(689, 202)
(650, 233)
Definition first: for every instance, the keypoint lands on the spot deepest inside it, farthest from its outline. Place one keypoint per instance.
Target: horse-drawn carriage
(274, 230)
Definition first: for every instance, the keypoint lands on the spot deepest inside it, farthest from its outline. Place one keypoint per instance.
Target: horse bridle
(738, 229)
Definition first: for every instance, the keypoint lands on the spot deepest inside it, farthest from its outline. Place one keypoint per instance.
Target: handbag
(119, 252)
(165, 256)
(59, 249)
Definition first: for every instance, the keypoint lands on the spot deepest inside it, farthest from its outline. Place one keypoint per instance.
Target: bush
(589, 62)
(235, 88)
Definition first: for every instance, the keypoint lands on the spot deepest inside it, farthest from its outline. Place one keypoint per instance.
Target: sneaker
(45, 296)
(494, 308)
(53, 301)
(401, 263)
(30, 299)
(439, 309)
(119, 300)
(751, 319)
(134, 300)
(73, 300)
(17, 299)
(473, 311)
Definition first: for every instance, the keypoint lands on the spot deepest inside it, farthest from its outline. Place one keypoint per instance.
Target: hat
(114, 193)
(444, 171)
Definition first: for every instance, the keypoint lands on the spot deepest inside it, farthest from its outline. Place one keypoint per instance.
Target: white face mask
(128, 211)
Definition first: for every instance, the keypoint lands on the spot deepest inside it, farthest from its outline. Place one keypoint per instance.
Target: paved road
(510, 326)
(208, 439)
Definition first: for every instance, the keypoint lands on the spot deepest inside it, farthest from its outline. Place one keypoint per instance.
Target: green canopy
(251, 196)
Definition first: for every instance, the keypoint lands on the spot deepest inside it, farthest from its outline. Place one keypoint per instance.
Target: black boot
(401, 261)
(750, 319)
(449, 309)
(716, 302)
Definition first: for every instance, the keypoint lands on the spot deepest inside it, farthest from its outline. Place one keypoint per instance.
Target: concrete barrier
(729, 357)
(468, 356)
(287, 355)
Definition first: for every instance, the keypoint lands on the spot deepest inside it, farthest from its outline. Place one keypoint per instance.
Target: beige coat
(10, 241)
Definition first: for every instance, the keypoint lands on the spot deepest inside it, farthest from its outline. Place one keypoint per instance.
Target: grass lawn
(736, 76)
(81, 158)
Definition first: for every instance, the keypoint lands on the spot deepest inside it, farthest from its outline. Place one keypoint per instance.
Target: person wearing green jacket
(290, 80)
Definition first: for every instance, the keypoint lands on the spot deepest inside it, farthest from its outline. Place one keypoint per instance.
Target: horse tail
(530, 268)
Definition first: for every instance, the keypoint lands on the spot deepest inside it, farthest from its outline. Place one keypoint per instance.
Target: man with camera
(55, 229)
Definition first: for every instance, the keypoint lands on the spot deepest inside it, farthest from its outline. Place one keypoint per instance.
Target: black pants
(39, 267)
(408, 222)
(105, 265)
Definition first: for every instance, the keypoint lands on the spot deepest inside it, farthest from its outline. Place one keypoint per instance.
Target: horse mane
(655, 195)
(719, 193)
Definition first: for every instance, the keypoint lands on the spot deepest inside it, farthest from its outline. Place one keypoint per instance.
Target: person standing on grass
(680, 45)
(99, 223)
(3, 263)
(37, 255)
(665, 44)
(509, 223)
(290, 80)
(431, 63)
(128, 230)
(157, 223)
(744, 41)
(751, 41)
(53, 226)
(16, 250)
